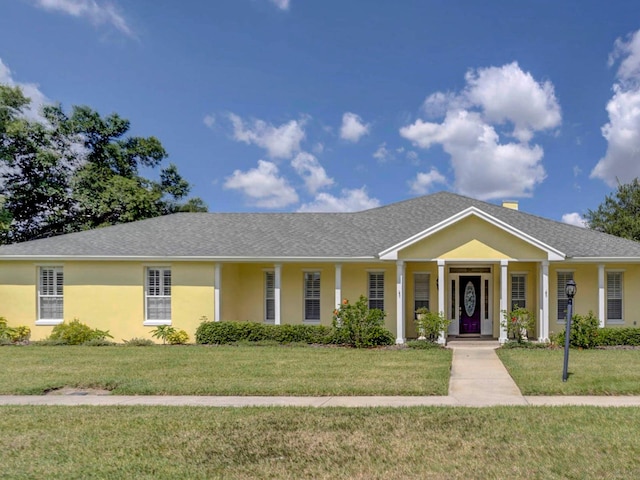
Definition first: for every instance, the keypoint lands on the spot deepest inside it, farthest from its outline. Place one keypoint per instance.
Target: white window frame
(269, 295)
(562, 296)
(620, 298)
(375, 294)
(523, 299)
(162, 288)
(421, 296)
(58, 292)
(311, 295)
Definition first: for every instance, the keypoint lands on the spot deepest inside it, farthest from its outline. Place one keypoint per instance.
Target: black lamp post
(570, 289)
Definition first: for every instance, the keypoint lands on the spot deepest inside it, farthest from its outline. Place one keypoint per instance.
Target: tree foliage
(71, 172)
(619, 214)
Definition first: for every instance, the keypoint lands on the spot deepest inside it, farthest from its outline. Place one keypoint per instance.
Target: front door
(470, 300)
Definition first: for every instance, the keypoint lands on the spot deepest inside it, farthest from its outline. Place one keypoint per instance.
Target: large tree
(73, 172)
(619, 213)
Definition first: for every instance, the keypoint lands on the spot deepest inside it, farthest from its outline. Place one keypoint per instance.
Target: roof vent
(512, 204)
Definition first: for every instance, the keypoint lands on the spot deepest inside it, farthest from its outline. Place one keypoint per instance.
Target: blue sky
(309, 105)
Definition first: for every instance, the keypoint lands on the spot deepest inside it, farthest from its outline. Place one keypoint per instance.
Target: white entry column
(601, 297)
(217, 280)
(543, 331)
(442, 338)
(277, 280)
(338, 297)
(504, 301)
(400, 271)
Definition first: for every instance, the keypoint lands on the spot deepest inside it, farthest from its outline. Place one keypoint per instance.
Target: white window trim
(615, 321)
(526, 282)
(160, 322)
(376, 272)
(305, 320)
(563, 321)
(270, 321)
(428, 274)
(48, 321)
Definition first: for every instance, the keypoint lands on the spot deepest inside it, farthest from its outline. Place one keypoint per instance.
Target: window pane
(312, 296)
(376, 290)
(269, 296)
(518, 291)
(420, 291)
(158, 294)
(51, 307)
(563, 301)
(614, 296)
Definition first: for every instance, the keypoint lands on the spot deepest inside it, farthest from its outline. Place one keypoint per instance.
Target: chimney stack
(512, 204)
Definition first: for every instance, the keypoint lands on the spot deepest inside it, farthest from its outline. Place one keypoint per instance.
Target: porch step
(473, 343)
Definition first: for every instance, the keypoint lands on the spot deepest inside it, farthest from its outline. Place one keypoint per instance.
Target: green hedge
(215, 333)
(618, 336)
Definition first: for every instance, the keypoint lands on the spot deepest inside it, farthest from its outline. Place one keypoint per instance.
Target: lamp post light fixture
(570, 290)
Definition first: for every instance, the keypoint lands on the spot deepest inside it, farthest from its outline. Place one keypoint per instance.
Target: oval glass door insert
(469, 299)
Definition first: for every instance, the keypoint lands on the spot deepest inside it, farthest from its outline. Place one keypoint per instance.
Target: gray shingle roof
(326, 235)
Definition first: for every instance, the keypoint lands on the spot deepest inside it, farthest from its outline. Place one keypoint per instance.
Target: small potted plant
(430, 324)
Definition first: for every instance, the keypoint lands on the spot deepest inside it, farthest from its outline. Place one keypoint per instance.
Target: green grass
(436, 442)
(591, 372)
(226, 370)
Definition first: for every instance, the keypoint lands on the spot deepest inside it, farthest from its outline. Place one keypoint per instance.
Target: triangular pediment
(469, 235)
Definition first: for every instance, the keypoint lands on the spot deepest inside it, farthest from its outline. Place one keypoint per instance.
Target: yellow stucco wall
(472, 238)
(110, 295)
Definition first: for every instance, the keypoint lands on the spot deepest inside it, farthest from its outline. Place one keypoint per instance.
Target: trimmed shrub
(178, 337)
(9, 335)
(77, 333)
(359, 326)
(98, 342)
(618, 336)
(217, 333)
(584, 332)
(431, 324)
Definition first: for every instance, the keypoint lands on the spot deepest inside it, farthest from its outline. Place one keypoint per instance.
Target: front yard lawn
(591, 372)
(225, 370)
(333, 443)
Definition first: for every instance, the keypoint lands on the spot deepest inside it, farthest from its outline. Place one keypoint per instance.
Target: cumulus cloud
(281, 4)
(263, 186)
(30, 90)
(484, 164)
(622, 131)
(314, 175)
(574, 219)
(424, 181)
(353, 128)
(349, 201)
(383, 154)
(279, 142)
(97, 13)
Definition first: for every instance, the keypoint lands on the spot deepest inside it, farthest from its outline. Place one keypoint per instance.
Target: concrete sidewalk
(478, 379)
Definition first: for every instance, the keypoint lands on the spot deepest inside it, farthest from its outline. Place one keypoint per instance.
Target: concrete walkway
(478, 379)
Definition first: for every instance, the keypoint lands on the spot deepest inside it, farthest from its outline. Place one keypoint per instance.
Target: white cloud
(574, 219)
(209, 120)
(424, 181)
(30, 90)
(349, 201)
(314, 175)
(383, 154)
(97, 13)
(281, 4)
(279, 142)
(508, 94)
(353, 128)
(622, 132)
(484, 165)
(264, 187)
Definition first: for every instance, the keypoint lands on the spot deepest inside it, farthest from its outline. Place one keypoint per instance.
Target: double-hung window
(518, 291)
(563, 300)
(420, 291)
(50, 295)
(269, 297)
(312, 297)
(614, 297)
(158, 296)
(376, 290)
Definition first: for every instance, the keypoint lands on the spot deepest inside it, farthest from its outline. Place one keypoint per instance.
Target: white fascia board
(603, 260)
(102, 258)
(392, 252)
